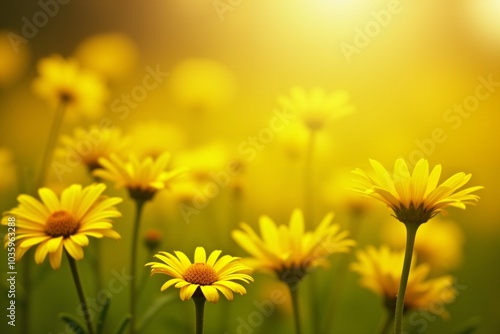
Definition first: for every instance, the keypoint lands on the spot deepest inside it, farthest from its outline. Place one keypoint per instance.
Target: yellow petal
(200, 255)
(74, 250)
(187, 291)
(50, 199)
(54, 243)
(210, 293)
(55, 257)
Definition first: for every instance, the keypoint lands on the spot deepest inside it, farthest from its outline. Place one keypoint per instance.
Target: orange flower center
(200, 273)
(61, 223)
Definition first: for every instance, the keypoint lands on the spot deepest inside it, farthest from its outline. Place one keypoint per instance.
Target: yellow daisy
(415, 197)
(205, 276)
(142, 178)
(114, 55)
(152, 138)
(289, 251)
(64, 81)
(316, 107)
(55, 224)
(201, 84)
(91, 144)
(380, 271)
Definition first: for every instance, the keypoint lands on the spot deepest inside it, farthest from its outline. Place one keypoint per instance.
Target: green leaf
(102, 316)
(153, 309)
(123, 324)
(76, 326)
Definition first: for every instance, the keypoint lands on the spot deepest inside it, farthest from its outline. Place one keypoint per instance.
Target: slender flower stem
(411, 232)
(199, 305)
(294, 291)
(81, 293)
(133, 263)
(51, 142)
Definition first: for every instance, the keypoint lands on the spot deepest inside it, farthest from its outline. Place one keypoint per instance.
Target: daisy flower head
(415, 197)
(202, 85)
(290, 251)
(143, 178)
(62, 81)
(93, 143)
(204, 276)
(111, 54)
(380, 271)
(316, 107)
(61, 223)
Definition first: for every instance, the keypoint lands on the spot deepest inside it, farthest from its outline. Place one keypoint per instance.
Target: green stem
(81, 293)
(386, 323)
(51, 142)
(294, 292)
(199, 305)
(133, 263)
(411, 232)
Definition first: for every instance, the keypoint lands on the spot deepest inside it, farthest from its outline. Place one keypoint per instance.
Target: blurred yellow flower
(200, 84)
(112, 54)
(55, 224)
(316, 107)
(204, 161)
(142, 178)
(289, 251)
(380, 271)
(13, 61)
(415, 198)
(63, 81)
(154, 138)
(203, 276)
(7, 169)
(336, 193)
(295, 141)
(440, 244)
(89, 145)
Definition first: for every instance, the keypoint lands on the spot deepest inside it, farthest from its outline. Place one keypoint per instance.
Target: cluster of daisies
(63, 224)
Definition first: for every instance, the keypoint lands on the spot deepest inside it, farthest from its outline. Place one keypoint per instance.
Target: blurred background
(423, 77)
